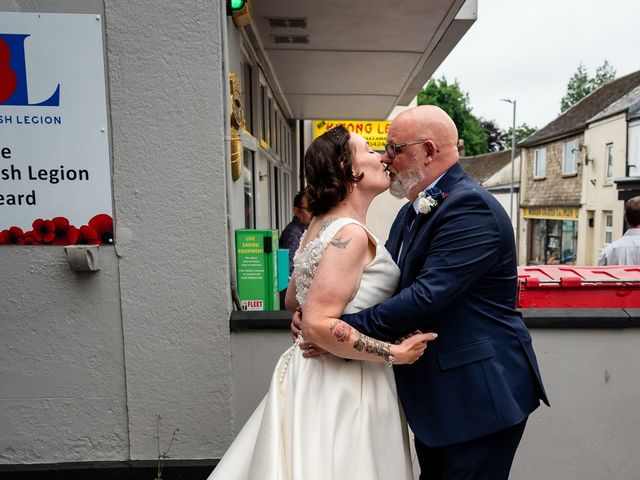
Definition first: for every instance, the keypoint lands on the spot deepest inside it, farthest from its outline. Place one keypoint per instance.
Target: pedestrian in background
(625, 250)
(292, 233)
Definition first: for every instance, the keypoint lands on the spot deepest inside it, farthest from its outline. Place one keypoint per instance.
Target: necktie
(409, 217)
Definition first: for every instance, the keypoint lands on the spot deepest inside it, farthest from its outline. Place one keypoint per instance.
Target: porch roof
(356, 59)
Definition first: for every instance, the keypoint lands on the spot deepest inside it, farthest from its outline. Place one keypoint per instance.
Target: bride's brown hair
(328, 167)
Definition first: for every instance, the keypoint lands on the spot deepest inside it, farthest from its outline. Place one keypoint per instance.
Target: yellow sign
(374, 132)
(555, 213)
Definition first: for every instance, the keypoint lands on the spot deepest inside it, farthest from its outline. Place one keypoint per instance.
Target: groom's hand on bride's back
(296, 323)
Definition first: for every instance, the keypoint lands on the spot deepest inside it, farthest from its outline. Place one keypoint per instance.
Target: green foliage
(522, 132)
(581, 84)
(455, 102)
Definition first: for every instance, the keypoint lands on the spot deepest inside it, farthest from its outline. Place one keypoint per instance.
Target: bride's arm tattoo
(340, 243)
(343, 331)
(371, 345)
(340, 330)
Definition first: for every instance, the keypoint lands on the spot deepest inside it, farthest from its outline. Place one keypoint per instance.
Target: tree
(522, 132)
(455, 102)
(495, 135)
(580, 84)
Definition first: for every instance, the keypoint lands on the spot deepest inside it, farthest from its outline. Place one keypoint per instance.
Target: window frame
(537, 161)
(570, 150)
(608, 166)
(606, 227)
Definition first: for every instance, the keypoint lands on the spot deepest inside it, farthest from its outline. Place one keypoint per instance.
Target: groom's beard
(403, 182)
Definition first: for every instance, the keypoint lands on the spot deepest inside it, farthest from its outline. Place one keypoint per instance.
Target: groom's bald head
(423, 161)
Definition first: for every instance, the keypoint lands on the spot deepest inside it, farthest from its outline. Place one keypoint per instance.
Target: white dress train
(326, 418)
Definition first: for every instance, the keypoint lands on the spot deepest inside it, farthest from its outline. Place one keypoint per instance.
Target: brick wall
(555, 189)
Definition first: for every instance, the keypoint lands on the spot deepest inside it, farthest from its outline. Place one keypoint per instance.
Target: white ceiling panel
(358, 58)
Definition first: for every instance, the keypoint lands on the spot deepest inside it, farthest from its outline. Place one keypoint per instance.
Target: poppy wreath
(58, 231)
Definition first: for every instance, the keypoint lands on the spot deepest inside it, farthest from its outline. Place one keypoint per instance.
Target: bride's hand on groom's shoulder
(411, 348)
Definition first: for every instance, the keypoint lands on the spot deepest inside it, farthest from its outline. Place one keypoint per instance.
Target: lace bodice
(379, 278)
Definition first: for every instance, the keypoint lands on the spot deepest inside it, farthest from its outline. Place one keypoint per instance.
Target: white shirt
(416, 207)
(416, 202)
(624, 251)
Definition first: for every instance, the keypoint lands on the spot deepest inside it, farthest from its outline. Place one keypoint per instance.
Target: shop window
(272, 123)
(570, 157)
(249, 189)
(553, 242)
(247, 96)
(287, 200)
(279, 133)
(540, 163)
(608, 228)
(609, 166)
(633, 159)
(265, 127)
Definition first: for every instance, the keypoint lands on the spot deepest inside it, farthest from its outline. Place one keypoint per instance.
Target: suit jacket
(459, 279)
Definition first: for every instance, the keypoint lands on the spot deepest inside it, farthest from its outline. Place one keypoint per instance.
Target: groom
(468, 399)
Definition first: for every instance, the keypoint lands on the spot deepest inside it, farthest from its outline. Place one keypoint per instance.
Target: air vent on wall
(287, 22)
(299, 39)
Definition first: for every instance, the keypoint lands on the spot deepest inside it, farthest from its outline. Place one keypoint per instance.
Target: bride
(325, 417)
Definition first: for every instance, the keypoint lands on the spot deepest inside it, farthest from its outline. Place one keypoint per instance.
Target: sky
(528, 49)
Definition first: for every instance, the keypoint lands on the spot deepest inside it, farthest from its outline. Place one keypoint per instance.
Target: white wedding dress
(326, 418)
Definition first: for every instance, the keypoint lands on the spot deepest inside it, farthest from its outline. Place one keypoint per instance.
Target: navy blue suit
(459, 279)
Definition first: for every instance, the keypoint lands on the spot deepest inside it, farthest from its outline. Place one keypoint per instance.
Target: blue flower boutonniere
(429, 199)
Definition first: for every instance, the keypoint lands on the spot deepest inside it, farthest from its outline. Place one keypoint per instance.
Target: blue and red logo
(13, 74)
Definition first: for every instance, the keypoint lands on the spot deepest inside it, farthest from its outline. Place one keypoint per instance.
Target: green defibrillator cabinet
(256, 268)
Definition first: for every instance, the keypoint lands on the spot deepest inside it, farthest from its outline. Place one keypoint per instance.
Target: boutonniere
(429, 199)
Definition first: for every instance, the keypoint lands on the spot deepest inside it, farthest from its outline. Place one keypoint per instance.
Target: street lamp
(513, 154)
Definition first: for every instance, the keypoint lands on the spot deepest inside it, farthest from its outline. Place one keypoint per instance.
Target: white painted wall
(62, 386)
(592, 379)
(591, 430)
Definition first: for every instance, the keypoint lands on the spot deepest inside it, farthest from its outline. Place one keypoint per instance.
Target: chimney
(461, 147)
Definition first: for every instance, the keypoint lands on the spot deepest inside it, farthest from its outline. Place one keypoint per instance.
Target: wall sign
(553, 213)
(55, 174)
(374, 132)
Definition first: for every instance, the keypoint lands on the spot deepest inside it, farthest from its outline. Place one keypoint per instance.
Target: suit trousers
(484, 458)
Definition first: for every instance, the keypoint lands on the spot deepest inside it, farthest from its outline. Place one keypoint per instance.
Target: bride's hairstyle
(328, 167)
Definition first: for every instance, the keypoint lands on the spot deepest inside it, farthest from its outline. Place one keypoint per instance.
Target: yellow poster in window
(374, 132)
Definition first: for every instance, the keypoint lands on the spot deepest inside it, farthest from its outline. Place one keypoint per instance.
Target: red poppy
(66, 234)
(44, 231)
(28, 239)
(11, 236)
(87, 236)
(103, 225)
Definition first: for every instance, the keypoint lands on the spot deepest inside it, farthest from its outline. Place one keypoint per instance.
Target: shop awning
(354, 59)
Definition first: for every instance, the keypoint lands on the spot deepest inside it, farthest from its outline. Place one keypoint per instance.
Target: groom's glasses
(393, 149)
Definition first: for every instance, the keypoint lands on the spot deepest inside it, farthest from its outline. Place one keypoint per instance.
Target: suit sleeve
(465, 243)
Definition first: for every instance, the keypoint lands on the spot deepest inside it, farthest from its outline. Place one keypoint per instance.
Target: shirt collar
(416, 202)
(632, 232)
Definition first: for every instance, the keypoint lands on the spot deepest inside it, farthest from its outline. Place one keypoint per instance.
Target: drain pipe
(226, 109)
